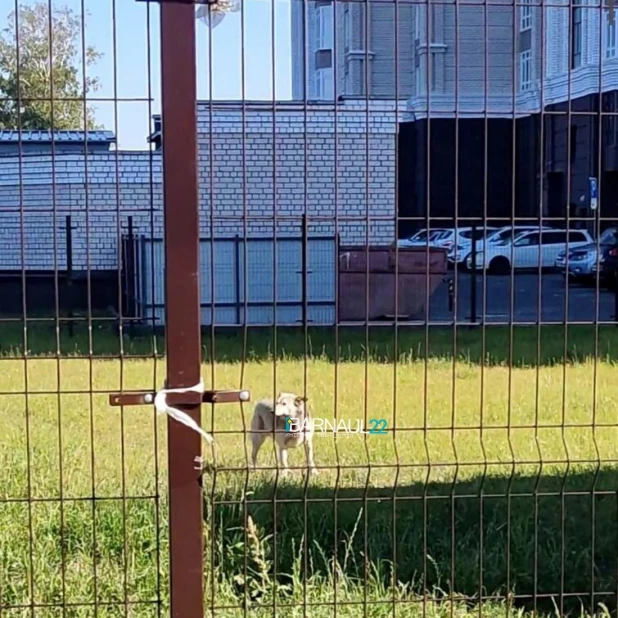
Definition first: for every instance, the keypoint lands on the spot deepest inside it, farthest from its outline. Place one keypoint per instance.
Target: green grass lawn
(493, 482)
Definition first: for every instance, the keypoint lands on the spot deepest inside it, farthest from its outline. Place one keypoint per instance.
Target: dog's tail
(258, 424)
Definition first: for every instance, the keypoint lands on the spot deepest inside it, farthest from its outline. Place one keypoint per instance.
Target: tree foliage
(42, 70)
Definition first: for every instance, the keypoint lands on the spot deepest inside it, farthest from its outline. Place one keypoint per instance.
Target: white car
(529, 250)
(460, 253)
(422, 238)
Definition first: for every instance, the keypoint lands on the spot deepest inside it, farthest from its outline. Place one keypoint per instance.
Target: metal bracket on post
(180, 399)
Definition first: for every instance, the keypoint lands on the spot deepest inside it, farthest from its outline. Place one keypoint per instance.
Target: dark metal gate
(183, 312)
(182, 304)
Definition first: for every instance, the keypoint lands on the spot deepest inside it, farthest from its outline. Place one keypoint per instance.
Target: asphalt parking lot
(523, 298)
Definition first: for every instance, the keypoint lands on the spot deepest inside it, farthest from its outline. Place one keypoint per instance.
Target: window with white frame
(324, 87)
(420, 21)
(525, 16)
(420, 75)
(422, 25)
(525, 70)
(576, 34)
(325, 26)
(425, 76)
(363, 67)
(433, 79)
(610, 36)
(433, 26)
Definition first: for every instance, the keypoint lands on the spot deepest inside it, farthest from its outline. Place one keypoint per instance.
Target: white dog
(290, 418)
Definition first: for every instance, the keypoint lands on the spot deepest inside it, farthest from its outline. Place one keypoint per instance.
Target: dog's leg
(309, 454)
(283, 460)
(257, 439)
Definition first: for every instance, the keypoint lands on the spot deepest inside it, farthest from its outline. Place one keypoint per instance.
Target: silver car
(583, 261)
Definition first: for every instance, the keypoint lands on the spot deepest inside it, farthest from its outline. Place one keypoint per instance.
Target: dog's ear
(300, 400)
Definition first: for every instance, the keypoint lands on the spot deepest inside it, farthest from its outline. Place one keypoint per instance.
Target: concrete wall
(263, 166)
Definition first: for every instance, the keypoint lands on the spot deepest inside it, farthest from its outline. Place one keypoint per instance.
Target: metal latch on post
(143, 398)
(190, 396)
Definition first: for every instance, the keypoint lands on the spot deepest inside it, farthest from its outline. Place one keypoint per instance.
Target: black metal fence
(460, 464)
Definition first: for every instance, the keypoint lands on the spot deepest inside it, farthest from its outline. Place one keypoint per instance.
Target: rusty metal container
(419, 273)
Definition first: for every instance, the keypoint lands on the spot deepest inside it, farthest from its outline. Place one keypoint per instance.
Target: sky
(137, 28)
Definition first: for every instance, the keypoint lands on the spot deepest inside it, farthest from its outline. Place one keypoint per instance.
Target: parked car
(582, 263)
(458, 236)
(608, 263)
(529, 250)
(422, 238)
(460, 253)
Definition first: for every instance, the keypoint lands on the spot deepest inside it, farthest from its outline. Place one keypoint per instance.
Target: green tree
(41, 69)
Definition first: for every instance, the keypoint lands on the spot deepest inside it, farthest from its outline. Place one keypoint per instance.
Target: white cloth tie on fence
(162, 407)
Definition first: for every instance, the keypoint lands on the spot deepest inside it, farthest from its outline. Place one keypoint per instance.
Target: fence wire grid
(394, 222)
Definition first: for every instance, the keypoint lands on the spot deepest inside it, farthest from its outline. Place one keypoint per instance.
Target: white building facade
(351, 49)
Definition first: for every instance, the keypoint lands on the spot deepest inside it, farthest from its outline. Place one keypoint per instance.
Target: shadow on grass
(493, 345)
(534, 537)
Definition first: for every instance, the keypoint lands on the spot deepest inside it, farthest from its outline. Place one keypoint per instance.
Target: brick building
(252, 169)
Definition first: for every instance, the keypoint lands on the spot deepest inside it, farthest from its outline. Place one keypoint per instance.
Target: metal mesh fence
(84, 526)
(393, 223)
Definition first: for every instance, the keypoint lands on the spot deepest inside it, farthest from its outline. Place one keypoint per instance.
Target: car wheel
(499, 266)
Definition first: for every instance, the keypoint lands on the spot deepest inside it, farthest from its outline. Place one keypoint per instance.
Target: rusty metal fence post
(182, 299)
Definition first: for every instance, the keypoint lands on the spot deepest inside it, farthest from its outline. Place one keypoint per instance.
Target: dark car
(608, 261)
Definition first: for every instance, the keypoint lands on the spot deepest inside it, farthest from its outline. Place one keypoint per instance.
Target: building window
(420, 74)
(525, 70)
(420, 21)
(347, 43)
(363, 65)
(324, 87)
(610, 119)
(421, 25)
(525, 16)
(325, 26)
(610, 36)
(576, 34)
(433, 81)
(573, 144)
(424, 74)
(433, 26)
